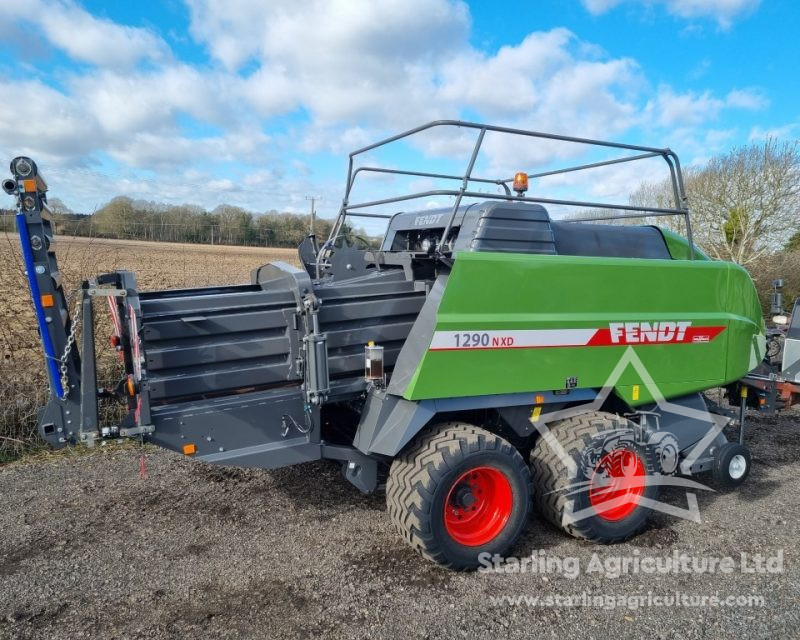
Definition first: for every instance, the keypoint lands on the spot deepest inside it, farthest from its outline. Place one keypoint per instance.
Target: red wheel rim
(478, 506)
(617, 484)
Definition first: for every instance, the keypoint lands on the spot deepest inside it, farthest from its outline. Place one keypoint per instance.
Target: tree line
(123, 217)
(744, 207)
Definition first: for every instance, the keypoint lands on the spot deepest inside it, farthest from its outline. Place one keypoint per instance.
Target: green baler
(484, 359)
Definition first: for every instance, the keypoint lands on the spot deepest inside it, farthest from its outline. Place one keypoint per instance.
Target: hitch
(71, 413)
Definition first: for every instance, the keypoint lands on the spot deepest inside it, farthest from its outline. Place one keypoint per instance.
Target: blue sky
(257, 103)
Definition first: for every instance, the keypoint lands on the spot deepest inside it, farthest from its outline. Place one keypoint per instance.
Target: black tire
(565, 503)
(728, 472)
(422, 480)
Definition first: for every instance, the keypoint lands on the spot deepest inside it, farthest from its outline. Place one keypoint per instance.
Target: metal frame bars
(348, 209)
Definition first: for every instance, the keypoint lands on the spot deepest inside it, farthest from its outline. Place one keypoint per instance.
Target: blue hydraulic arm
(61, 420)
(47, 342)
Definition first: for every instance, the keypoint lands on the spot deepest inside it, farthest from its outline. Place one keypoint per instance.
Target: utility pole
(313, 200)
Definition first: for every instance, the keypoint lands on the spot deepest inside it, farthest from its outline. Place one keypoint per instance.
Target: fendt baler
(485, 358)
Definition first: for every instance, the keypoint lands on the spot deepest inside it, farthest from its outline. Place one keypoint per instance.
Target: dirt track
(88, 549)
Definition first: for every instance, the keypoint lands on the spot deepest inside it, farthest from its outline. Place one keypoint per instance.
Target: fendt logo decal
(616, 334)
(634, 333)
(423, 221)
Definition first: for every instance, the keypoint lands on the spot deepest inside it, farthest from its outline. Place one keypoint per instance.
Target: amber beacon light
(520, 182)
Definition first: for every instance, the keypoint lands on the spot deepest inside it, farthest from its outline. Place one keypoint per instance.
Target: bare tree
(744, 204)
(607, 216)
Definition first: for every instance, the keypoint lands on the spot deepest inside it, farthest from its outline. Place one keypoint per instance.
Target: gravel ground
(89, 549)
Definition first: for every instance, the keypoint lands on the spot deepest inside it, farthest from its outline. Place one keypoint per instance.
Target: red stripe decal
(634, 334)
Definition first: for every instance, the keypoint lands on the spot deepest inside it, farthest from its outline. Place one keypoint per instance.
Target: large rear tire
(601, 499)
(457, 492)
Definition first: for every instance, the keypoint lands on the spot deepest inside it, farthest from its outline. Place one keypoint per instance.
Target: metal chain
(76, 321)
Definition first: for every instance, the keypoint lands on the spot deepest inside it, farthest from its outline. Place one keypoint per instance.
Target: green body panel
(678, 246)
(505, 291)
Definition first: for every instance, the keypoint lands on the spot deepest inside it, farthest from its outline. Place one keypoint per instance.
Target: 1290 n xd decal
(617, 333)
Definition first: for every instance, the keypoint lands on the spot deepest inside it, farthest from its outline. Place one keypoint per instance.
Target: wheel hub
(737, 466)
(478, 506)
(463, 496)
(617, 484)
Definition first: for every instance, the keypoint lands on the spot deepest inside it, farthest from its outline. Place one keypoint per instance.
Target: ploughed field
(23, 383)
(91, 547)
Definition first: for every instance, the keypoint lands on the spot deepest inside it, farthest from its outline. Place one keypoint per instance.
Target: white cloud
(56, 126)
(758, 134)
(724, 12)
(137, 101)
(166, 151)
(601, 6)
(84, 37)
(476, 78)
(322, 34)
(369, 69)
(341, 61)
(362, 72)
(751, 99)
(671, 109)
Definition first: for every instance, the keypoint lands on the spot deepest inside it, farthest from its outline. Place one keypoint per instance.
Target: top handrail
(643, 152)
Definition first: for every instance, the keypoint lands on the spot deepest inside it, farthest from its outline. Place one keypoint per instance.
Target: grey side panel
(262, 429)
(419, 340)
(270, 455)
(381, 307)
(389, 423)
(225, 368)
(687, 429)
(790, 362)
(210, 341)
(224, 340)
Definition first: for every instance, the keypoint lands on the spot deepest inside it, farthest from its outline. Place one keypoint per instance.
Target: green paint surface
(505, 291)
(678, 246)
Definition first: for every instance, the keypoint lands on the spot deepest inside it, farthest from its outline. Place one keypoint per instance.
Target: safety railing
(466, 179)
